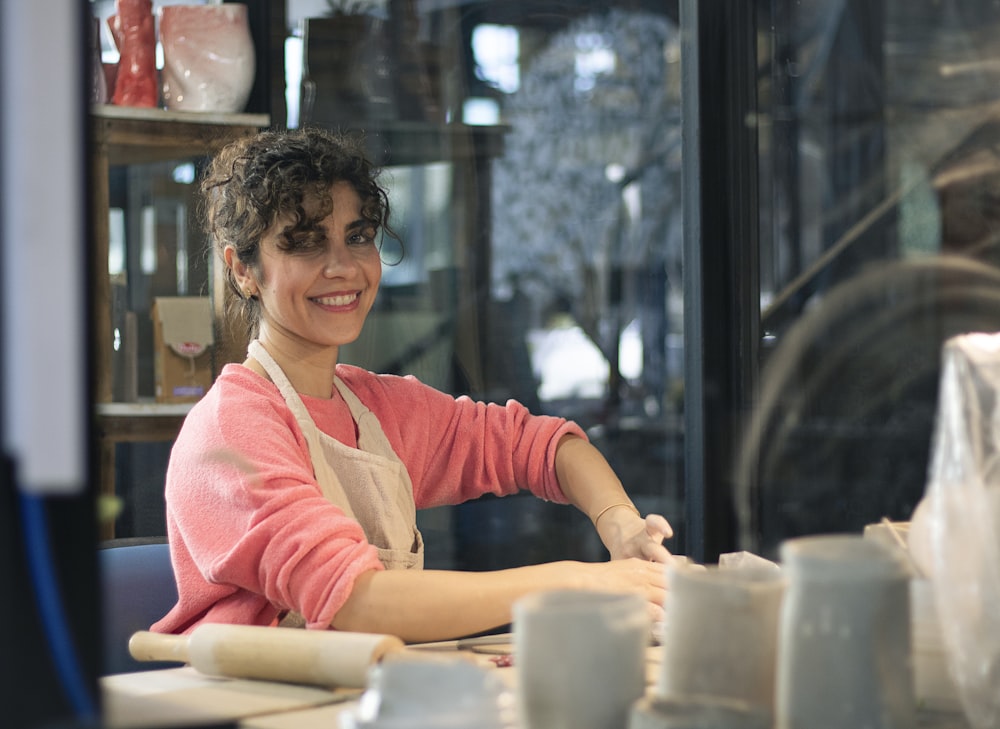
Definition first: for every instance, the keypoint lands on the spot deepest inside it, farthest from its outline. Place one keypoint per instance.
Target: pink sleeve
(457, 449)
(250, 531)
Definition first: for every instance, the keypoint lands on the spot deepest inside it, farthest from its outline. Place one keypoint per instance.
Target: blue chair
(137, 589)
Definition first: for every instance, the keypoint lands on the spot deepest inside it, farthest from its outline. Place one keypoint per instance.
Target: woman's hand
(445, 604)
(640, 576)
(626, 534)
(591, 485)
(637, 576)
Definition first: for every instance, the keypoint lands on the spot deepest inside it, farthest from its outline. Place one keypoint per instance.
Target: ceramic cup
(721, 634)
(432, 692)
(208, 57)
(934, 686)
(696, 712)
(844, 640)
(581, 658)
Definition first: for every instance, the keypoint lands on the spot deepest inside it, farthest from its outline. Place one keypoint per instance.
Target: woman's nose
(338, 260)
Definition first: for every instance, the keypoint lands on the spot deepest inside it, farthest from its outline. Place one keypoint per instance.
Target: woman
(293, 485)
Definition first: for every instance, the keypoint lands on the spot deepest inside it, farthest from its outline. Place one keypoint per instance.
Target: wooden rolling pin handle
(321, 657)
(148, 646)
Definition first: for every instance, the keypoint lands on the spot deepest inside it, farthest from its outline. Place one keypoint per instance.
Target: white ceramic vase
(208, 57)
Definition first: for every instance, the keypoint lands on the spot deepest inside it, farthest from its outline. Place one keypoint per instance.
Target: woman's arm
(428, 605)
(591, 485)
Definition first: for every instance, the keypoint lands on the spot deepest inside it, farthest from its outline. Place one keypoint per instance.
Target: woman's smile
(339, 301)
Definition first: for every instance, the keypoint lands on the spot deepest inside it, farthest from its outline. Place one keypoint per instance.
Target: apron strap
(371, 437)
(292, 399)
(281, 381)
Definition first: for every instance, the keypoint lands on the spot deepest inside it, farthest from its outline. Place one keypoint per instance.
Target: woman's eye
(306, 243)
(360, 238)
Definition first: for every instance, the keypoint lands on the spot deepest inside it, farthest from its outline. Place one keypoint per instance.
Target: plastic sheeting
(955, 530)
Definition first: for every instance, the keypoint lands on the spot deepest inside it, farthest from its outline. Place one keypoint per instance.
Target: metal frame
(721, 270)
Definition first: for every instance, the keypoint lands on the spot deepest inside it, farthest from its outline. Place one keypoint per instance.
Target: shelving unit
(124, 136)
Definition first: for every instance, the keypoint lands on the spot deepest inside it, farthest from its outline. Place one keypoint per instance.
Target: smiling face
(316, 287)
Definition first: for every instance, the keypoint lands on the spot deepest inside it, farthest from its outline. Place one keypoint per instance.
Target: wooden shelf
(121, 422)
(156, 115)
(130, 135)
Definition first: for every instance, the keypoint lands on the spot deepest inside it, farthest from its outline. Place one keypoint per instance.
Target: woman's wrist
(611, 507)
(616, 526)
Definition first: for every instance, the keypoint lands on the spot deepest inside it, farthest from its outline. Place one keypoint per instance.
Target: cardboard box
(183, 340)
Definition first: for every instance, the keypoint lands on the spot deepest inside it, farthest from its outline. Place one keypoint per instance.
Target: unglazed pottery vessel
(580, 657)
(208, 57)
(844, 638)
(721, 634)
(696, 712)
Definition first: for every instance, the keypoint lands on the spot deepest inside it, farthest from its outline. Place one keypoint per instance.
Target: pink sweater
(251, 535)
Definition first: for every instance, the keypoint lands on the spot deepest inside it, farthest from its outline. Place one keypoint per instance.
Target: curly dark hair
(256, 180)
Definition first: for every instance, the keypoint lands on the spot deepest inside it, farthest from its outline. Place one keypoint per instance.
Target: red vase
(134, 31)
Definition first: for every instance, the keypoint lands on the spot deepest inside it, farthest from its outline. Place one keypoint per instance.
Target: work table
(183, 697)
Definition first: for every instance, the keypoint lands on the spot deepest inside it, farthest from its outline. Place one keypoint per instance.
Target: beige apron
(369, 482)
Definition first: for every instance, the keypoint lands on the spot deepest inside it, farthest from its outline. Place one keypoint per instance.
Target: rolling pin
(326, 658)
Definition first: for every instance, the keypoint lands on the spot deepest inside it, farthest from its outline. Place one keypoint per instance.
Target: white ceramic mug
(721, 634)
(580, 657)
(844, 645)
(414, 691)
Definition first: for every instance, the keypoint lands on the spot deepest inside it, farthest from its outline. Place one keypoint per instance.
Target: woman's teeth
(342, 300)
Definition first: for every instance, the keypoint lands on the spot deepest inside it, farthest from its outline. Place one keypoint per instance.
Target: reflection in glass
(878, 242)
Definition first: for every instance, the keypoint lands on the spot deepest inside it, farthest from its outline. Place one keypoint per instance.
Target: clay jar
(208, 57)
(721, 634)
(581, 658)
(844, 644)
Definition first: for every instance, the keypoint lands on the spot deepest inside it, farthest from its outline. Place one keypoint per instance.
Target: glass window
(879, 169)
(542, 250)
